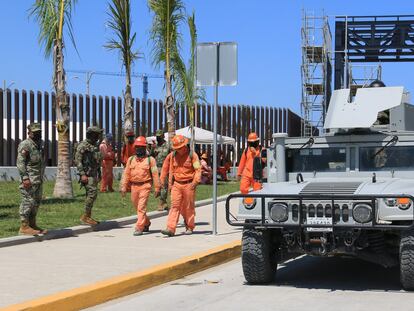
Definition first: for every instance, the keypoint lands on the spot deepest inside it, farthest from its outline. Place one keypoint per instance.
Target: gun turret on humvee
(348, 192)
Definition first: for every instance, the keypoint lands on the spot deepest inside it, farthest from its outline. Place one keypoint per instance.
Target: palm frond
(47, 14)
(119, 21)
(165, 35)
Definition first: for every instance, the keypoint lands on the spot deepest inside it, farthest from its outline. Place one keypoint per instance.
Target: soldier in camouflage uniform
(88, 162)
(31, 165)
(160, 152)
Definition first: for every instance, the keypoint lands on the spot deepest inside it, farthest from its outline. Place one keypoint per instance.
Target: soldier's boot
(32, 223)
(88, 220)
(25, 229)
(160, 207)
(165, 206)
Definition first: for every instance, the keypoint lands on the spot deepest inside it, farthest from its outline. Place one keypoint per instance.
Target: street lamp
(89, 75)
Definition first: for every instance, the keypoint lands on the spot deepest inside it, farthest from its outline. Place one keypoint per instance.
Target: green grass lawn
(57, 213)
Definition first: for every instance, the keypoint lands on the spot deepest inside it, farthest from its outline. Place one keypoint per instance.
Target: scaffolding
(316, 72)
(360, 76)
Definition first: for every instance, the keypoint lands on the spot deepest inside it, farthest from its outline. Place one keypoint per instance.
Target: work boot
(138, 232)
(146, 228)
(86, 219)
(33, 224)
(167, 232)
(25, 229)
(111, 190)
(188, 232)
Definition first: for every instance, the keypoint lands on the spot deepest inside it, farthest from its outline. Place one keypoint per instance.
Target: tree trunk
(169, 108)
(63, 185)
(128, 113)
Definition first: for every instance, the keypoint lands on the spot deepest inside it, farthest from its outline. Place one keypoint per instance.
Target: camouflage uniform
(160, 153)
(88, 162)
(31, 165)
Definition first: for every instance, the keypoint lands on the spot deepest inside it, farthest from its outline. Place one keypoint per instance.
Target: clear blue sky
(267, 32)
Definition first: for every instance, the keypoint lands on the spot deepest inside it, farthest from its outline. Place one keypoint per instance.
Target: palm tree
(120, 23)
(52, 17)
(166, 38)
(185, 88)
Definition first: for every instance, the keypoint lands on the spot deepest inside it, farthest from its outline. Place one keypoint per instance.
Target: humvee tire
(258, 260)
(407, 260)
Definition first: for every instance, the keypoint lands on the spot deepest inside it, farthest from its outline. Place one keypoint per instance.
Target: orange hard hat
(252, 137)
(179, 141)
(140, 142)
(204, 156)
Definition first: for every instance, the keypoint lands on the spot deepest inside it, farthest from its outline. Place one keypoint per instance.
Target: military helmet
(159, 133)
(94, 129)
(34, 127)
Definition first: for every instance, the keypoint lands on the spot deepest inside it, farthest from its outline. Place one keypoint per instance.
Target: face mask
(37, 136)
(131, 139)
(160, 140)
(254, 144)
(141, 152)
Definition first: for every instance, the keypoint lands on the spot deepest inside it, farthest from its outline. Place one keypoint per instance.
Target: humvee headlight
(362, 213)
(390, 202)
(278, 212)
(249, 203)
(402, 203)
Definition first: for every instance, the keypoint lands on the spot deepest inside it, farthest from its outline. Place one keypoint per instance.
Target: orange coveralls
(128, 150)
(108, 157)
(140, 174)
(184, 175)
(245, 170)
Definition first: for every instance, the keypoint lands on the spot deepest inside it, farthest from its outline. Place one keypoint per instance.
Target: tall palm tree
(166, 38)
(120, 23)
(52, 17)
(185, 88)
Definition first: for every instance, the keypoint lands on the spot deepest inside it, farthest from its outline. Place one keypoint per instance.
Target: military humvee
(349, 192)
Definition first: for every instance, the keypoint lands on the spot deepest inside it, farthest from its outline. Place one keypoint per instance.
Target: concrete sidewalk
(38, 269)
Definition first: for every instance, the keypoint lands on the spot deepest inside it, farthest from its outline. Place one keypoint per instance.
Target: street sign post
(216, 65)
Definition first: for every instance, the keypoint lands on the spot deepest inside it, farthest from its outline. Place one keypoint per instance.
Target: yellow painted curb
(130, 283)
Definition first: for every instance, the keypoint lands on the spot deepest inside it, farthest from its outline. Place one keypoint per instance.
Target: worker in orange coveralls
(128, 150)
(184, 174)
(141, 173)
(245, 170)
(108, 158)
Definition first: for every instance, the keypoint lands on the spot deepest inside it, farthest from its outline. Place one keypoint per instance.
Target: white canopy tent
(201, 136)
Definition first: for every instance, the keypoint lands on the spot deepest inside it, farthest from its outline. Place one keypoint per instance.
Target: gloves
(27, 184)
(193, 185)
(84, 179)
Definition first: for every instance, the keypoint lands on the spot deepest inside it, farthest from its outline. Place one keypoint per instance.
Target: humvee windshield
(316, 159)
(390, 158)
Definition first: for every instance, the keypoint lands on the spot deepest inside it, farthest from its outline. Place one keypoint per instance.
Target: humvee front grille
(331, 188)
(341, 211)
(337, 206)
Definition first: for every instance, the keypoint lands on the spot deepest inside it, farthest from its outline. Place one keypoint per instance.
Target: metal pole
(215, 146)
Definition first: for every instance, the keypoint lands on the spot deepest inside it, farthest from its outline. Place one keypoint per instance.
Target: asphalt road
(305, 283)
